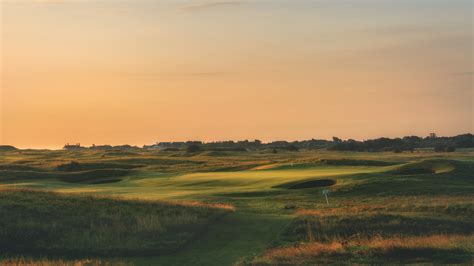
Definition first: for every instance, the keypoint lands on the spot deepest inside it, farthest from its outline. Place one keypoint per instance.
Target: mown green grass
(379, 201)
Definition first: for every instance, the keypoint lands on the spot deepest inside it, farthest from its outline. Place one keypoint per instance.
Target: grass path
(235, 237)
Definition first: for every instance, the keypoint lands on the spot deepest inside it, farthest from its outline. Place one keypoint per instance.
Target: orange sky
(136, 72)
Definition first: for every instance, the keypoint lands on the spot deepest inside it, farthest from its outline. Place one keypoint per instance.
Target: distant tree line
(408, 143)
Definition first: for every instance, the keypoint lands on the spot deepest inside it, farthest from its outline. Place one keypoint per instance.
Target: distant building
(152, 146)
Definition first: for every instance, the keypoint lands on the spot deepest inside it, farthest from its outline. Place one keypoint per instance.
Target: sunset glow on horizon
(137, 72)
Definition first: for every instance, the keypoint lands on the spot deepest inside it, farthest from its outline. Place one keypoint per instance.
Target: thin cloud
(211, 4)
(171, 75)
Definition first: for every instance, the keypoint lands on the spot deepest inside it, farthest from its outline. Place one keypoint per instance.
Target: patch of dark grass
(105, 181)
(76, 166)
(254, 194)
(314, 183)
(44, 223)
(14, 175)
(93, 176)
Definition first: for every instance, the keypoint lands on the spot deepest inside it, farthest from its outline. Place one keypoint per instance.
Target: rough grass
(36, 222)
(25, 261)
(76, 167)
(362, 230)
(422, 249)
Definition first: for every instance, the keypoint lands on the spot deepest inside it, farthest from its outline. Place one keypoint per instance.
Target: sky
(137, 72)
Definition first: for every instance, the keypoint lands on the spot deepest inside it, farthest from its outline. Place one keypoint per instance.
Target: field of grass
(50, 223)
(226, 208)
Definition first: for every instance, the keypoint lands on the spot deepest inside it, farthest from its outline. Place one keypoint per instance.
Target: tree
(193, 148)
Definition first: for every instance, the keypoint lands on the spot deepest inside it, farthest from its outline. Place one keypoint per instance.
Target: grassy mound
(424, 167)
(356, 162)
(75, 166)
(7, 148)
(314, 183)
(85, 177)
(95, 176)
(48, 223)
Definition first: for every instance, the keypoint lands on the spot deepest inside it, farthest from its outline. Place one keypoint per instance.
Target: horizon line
(234, 140)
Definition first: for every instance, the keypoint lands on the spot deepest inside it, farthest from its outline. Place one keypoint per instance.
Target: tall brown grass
(306, 252)
(60, 262)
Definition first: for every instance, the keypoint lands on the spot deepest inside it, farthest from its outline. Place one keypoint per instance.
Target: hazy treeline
(407, 143)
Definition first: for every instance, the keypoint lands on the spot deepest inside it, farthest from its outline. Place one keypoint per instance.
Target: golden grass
(306, 252)
(59, 262)
(432, 241)
(299, 254)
